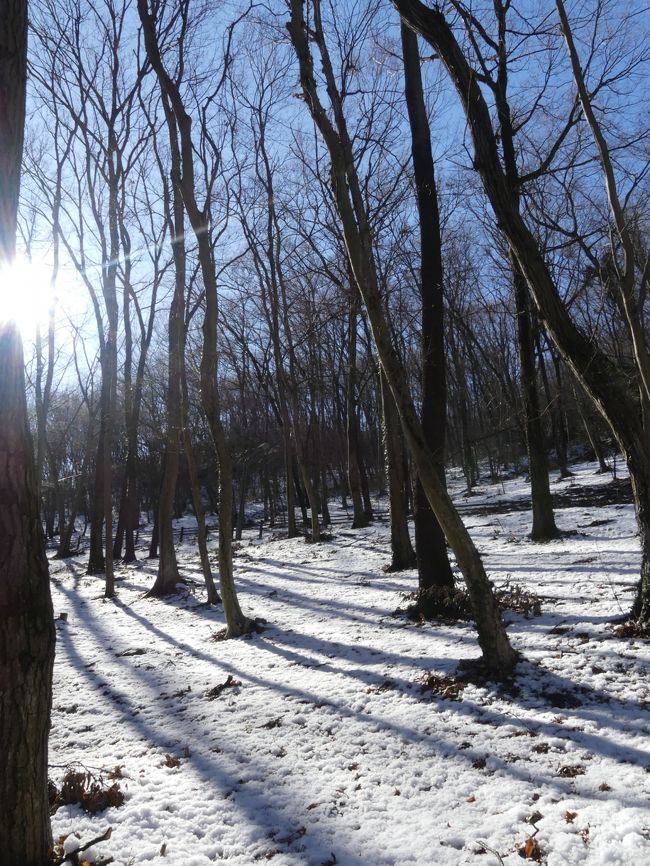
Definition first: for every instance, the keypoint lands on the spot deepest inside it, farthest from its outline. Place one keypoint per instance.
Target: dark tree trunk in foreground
(430, 545)
(26, 620)
(26, 628)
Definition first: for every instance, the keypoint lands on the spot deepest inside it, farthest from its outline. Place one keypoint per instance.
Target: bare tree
(623, 400)
(497, 653)
(200, 221)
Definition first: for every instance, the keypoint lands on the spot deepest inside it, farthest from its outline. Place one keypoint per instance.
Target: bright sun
(27, 294)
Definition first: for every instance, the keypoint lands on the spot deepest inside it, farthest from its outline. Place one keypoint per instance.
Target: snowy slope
(329, 752)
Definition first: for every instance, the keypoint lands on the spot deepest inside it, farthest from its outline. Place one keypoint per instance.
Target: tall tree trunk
(96, 562)
(365, 485)
(241, 507)
(544, 527)
(287, 453)
(237, 623)
(299, 491)
(153, 544)
(26, 618)
(168, 575)
(118, 540)
(325, 511)
(434, 568)
(559, 413)
(195, 489)
(76, 504)
(109, 363)
(402, 553)
(359, 518)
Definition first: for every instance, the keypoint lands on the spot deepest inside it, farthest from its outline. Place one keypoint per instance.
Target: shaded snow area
(323, 748)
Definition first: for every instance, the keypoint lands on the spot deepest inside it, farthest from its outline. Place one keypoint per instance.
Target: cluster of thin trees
(322, 256)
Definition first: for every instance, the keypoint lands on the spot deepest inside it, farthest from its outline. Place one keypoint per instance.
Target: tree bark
(26, 628)
(402, 553)
(359, 518)
(26, 618)
(430, 545)
(168, 575)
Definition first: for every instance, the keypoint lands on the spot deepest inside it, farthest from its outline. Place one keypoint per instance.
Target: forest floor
(341, 733)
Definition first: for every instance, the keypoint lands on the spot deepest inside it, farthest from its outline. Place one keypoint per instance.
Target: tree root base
(246, 629)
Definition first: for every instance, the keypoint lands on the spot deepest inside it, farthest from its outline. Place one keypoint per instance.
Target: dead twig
(491, 850)
(73, 856)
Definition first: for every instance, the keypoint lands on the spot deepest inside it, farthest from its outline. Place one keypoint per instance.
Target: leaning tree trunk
(624, 408)
(26, 619)
(498, 654)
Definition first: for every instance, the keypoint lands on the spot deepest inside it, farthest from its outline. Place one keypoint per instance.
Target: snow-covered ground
(327, 751)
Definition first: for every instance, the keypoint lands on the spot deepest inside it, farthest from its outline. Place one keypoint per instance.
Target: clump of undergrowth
(474, 671)
(88, 790)
(453, 604)
(515, 598)
(632, 628)
(437, 603)
(440, 685)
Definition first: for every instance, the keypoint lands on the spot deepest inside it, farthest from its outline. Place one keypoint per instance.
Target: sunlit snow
(328, 752)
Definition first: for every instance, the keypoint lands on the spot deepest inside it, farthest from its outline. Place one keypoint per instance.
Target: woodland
(324, 431)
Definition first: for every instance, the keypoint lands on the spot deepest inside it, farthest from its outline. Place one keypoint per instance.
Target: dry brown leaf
(171, 761)
(530, 850)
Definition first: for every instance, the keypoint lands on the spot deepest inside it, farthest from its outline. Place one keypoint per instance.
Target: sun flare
(26, 294)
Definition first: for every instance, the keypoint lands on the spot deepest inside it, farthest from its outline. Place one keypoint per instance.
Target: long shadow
(274, 637)
(282, 570)
(348, 610)
(254, 802)
(593, 700)
(474, 711)
(613, 493)
(330, 649)
(554, 685)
